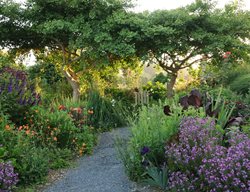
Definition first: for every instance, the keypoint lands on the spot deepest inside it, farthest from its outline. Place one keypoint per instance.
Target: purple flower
(145, 150)
(8, 178)
(199, 162)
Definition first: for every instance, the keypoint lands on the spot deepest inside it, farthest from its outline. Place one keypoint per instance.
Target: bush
(30, 162)
(151, 129)
(17, 95)
(241, 84)
(157, 90)
(161, 78)
(126, 96)
(56, 128)
(49, 79)
(198, 161)
(33, 148)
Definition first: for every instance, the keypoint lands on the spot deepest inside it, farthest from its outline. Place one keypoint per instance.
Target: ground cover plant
(201, 161)
(8, 178)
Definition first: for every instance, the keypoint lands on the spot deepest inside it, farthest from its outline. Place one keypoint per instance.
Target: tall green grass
(108, 113)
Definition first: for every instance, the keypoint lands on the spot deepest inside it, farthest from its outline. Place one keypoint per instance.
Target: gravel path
(100, 172)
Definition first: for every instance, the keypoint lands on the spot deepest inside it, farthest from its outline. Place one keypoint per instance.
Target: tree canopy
(79, 30)
(176, 39)
(101, 31)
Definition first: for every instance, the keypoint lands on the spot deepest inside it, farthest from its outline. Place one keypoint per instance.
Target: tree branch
(190, 64)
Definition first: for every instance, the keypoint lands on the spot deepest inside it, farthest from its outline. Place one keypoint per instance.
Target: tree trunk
(76, 92)
(170, 86)
(74, 84)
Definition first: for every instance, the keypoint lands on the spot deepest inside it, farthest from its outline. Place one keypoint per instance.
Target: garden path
(100, 172)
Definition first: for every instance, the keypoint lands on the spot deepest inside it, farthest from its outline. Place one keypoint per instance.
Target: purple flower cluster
(145, 150)
(196, 140)
(199, 163)
(179, 181)
(15, 81)
(8, 178)
(228, 171)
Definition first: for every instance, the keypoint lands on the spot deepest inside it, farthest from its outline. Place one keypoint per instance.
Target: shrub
(198, 161)
(152, 129)
(49, 79)
(241, 84)
(17, 95)
(161, 77)
(30, 162)
(187, 153)
(125, 96)
(157, 90)
(56, 128)
(8, 177)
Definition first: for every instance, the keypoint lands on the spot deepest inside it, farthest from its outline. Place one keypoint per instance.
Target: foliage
(17, 94)
(215, 106)
(79, 32)
(162, 78)
(34, 148)
(6, 60)
(241, 84)
(30, 162)
(165, 42)
(246, 129)
(59, 158)
(230, 100)
(57, 128)
(33, 165)
(157, 177)
(223, 113)
(151, 129)
(107, 113)
(225, 93)
(46, 71)
(126, 96)
(157, 90)
(49, 81)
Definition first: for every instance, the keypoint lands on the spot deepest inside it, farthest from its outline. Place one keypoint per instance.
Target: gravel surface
(100, 172)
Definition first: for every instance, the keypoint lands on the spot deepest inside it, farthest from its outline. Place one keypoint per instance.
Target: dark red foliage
(167, 110)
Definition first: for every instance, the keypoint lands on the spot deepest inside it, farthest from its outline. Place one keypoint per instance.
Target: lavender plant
(8, 178)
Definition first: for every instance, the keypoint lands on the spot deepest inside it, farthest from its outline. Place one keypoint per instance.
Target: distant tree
(177, 39)
(78, 31)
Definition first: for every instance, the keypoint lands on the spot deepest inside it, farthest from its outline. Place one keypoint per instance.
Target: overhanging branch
(190, 64)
